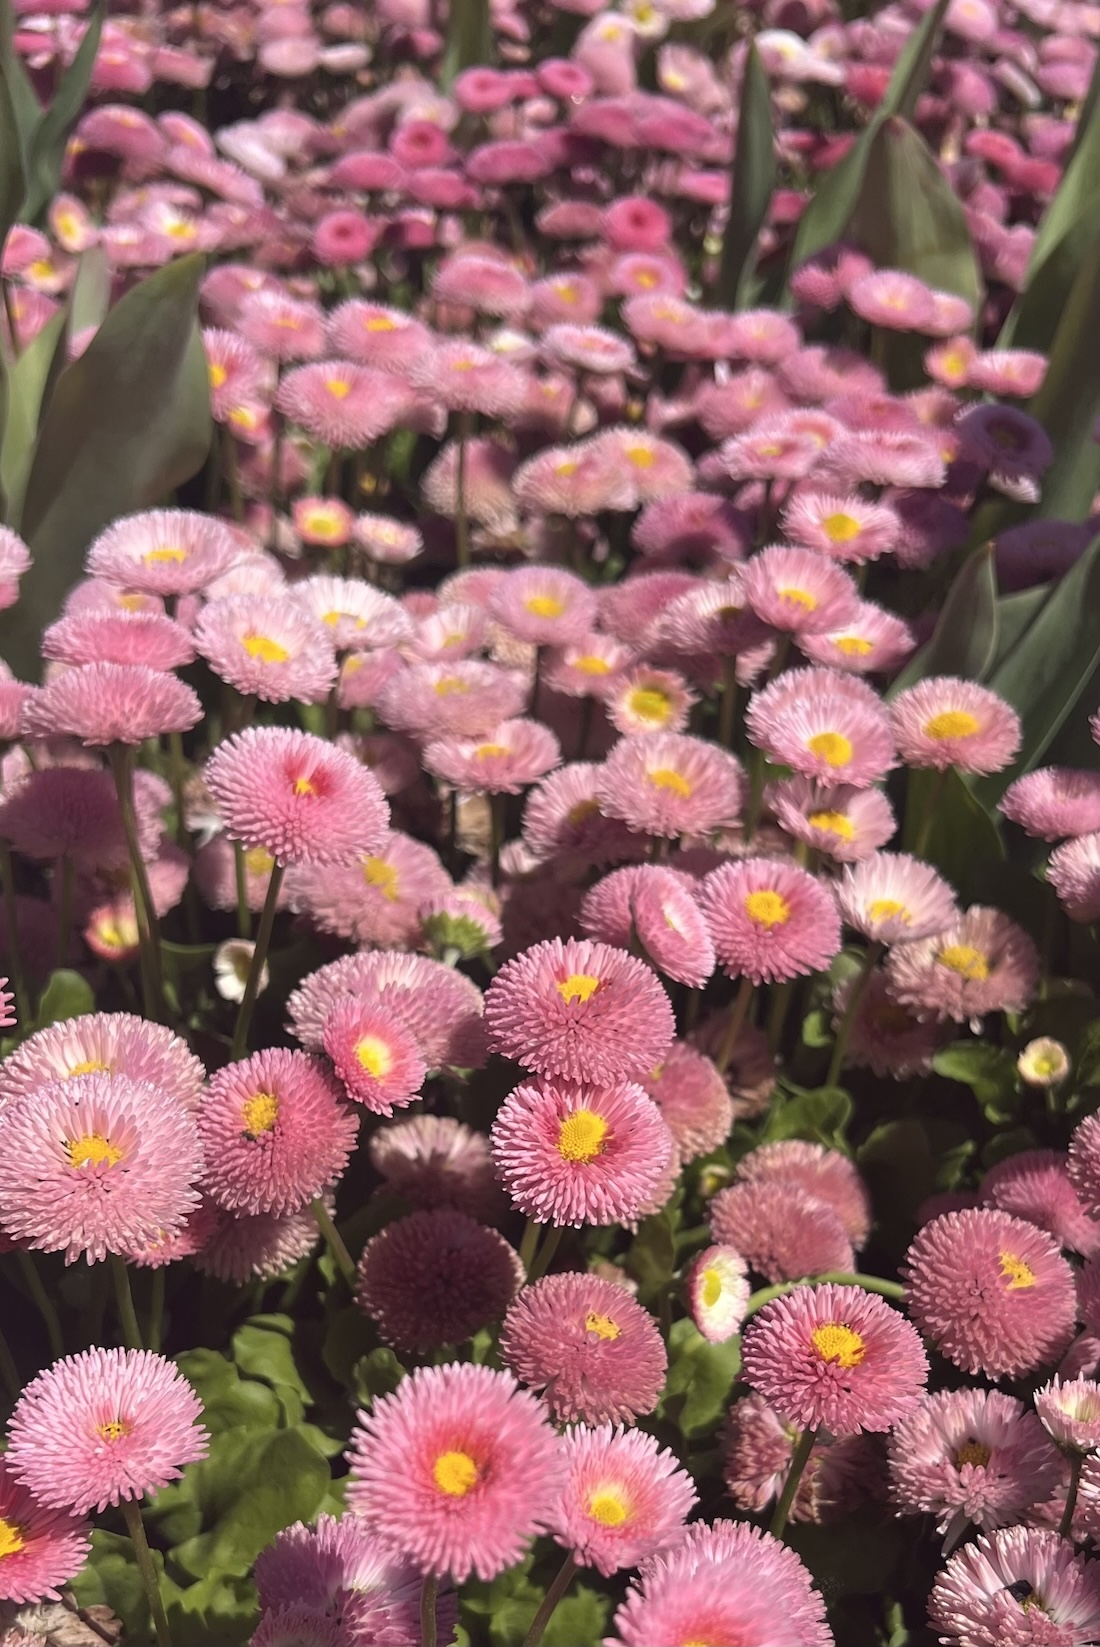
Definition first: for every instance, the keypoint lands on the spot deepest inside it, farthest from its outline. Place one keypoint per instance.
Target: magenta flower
(163, 552)
(377, 1059)
(894, 898)
(345, 1575)
(982, 962)
(692, 1098)
(823, 1173)
(441, 1008)
(980, 1599)
(435, 1278)
(657, 907)
(40, 1549)
(782, 1230)
(623, 1500)
(769, 919)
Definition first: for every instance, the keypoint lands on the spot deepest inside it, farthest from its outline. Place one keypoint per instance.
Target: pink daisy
(992, 1292)
(835, 1356)
(163, 552)
(377, 1059)
(884, 457)
(1074, 873)
(1043, 1062)
(824, 725)
(462, 699)
(944, 722)
(296, 796)
(798, 590)
(373, 335)
(355, 614)
(577, 480)
(464, 377)
(717, 1288)
(280, 326)
(240, 1248)
(147, 638)
(769, 920)
(848, 824)
(266, 646)
(587, 348)
(872, 641)
(345, 405)
(543, 605)
(587, 667)
(757, 1450)
(1083, 1163)
(782, 1231)
(436, 1161)
(459, 1469)
(391, 542)
(440, 1006)
(1035, 1184)
(511, 757)
(823, 1173)
(656, 907)
(109, 703)
(894, 898)
(580, 1154)
(322, 523)
(562, 817)
(104, 1426)
(234, 369)
(103, 1043)
(624, 1498)
(885, 1036)
(1015, 1587)
(97, 1164)
(1054, 802)
(645, 699)
(692, 1098)
(971, 1456)
(982, 962)
(337, 1566)
(435, 1278)
(40, 1549)
(652, 467)
(844, 528)
(376, 900)
(1070, 1412)
(891, 298)
(592, 1350)
(581, 1011)
(667, 783)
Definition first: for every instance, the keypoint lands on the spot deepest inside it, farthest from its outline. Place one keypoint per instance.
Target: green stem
(542, 1259)
(427, 1609)
(924, 828)
(1065, 1525)
(132, 1516)
(43, 1303)
(15, 959)
(777, 1013)
(240, 873)
(735, 1023)
(844, 1033)
(122, 765)
(155, 1331)
(259, 956)
(124, 1298)
(841, 1278)
(9, 311)
(529, 1243)
(9, 1372)
(496, 836)
(799, 1459)
(462, 524)
(177, 774)
(728, 706)
(232, 477)
(561, 1582)
(345, 1263)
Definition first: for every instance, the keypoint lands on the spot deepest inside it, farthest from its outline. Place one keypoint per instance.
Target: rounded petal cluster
(944, 722)
(624, 1498)
(769, 920)
(667, 783)
(435, 1278)
(987, 1593)
(40, 1548)
(110, 703)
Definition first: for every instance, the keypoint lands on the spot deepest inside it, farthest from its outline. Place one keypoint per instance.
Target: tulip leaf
(12, 179)
(46, 151)
(90, 297)
(28, 377)
(24, 104)
(752, 183)
(964, 641)
(1068, 402)
(469, 40)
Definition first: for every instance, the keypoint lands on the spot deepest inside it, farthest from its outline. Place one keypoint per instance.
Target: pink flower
(848, 824)
(435, 1278)
(668, 783)
(104, 1426)
(40, 1549)
(717, 1288)
(893, 299)
(436, 1161)
(109, 703)
(823, 1173)
(562, 817)
(163, 552)
(281, 327)
(980, 1600)
(587, 348)
(893, 898)
(344, 237)
(511, 756)
(267, 646)
(97, 1164)
(872, 641)
(634, 223)
(824, 725)
(656, 906)
(982, 962)
(651, 467)
(241, 1248)
(624, 1498)
(575, 480)
(339, 1569)
(234, 369)
(693, 1099)
(1074, 873)
(644, 699)
(343, 404)
(322, 522)
(883, 457)
(296, 796)
(543, 605)
(377, 1059)
(441, 1007)
(372, 335)
(147, 638)
(844, 528)
(782, 1231)
(391, 542)
(944, 722)
(591, 1349)
(835, 1356)
(1035, 1184)
(1070, 1412)
(757, 1450)
(798, 590)
(461, 699)
(103, 1043)
(769, 920)
(885, 1036)
(993, 1293)
(458, 1468)
(463, 377)
(1053, 802)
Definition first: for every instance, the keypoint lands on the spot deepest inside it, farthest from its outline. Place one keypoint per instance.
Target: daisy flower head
(669, 784)
(322, 523)
(824, 725)
(892, 298)
(1035, 1184)
(1074, 873)
(296, 796)
(337, 1563)
(893, 898)
(825, 1174)
(971, 1455)
(982, 962)
(1043, 1062)
(587, 348)
(234, 370)
(992, 1292)
(1016, 1586)
(390, 542)
(435, 1278)
(798, 591)
(645, 699)
(651, 467)
(693, 1099)
(588, 667)
(562, 818)
(281, 327)
(267, 646)
(436, 1161)
(543, 605)
(373, 335)
(241, 1248)
(104, 1426)
(885, 1036)
(943, 722)
(439, 1005)
(757, 1448)
(782, 1230)
(377, 899)
(624, 1498)
(595, 1354)
(886, 457)
(109, 703)
(574, 1154)
(377, 1058)
(656, 906)
(576, 480)
(835, 1356)
(714, 617)
(344, 405)
(843, 528)
(40, 1548)
(148, 638)
(717, 1289)
(1083, 1164)
(510, 757)
(845, 823)
(163, 552)
(1053, 802)
(464, 377)
(578, 1010)
(460, 700)
(769, 919)
(97, 1164)
(1069, 1410)
(354, 613)
(459, 1469)
(103, 1043)
(872, 641)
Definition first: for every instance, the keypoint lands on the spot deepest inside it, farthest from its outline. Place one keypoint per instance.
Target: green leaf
(652, 1256)
(964, 641)
(28, 378)
(24, 103)
(1068, 400)
(90, 298)
(111, 1579)
(276, 1481)
(229, 1401)
(579, 1620)
(128, 422)
(989, 1072)
(821, 1116)
(262, 1350)
(752, 183)
(897, 1162)
(12, 181)
(469, 40)
(700, 1378)
(66, 995)
(47, 146)
(378, 1373)
(1014, 613)
(964, 842)
(215, 1612)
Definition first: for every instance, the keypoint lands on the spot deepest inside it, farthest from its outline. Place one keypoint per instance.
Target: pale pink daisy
(844, 528)
(823, 1173)
(574, 481)
(240, 1249)
(825, 725)
(1054, 801)
(40, 1548)
(693, 1099)
(163, 552)
(884, 457)
(666, 783)
(893, 299)
(717, 1289)
(944, 722)
(376, 899)
(872, 641)
(624, 1498)
(1036, 1184)
(322, 523)
(1017, 372)
(234, 369)
(982, 962)
(646, 699)
(109, 703)
(769, 920)
(391, 542)
(1084, 1162)
(461, 699)
(267, 646)
(441, 1006)
(373, 335)
(781, 1229)
(147, 638)
(1074, 873)
(543, 605)
(435, 1278)
(587, 348)
(508, 759)
(345, 405)
(848, 824)
(562, 817)
(464, 377)
(1070, 1411)
(103, 1043)
(588, 667)
(337, 1566)
(1014, 1587)
(798, 590)
(280, 326)
(653, 467)
(378, 1060)
(893, 898)
(654, 906)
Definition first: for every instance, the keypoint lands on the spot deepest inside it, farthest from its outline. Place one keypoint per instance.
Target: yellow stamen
(338, 387)
(853, 646)
(607, 1507)
(486, 751)
(90, 1066)
(836, 1342)
(545, 606)
(712, 1288)
(832, 823)
(592, 666)
(260, 1113)
(450, 684)
(800, 597)
(304, 786)
(11, 1538)
(665, 778)
(602, 1326)
(455, 1474)
(579, 986)
(582, 812)
(1019, 1276)
(264, 648)
(767, 908)
(968, 962)
(642, 457)
(888, 909)
(379, 323)
(218, 374)
(258, 862)
(840, 528)
(972, 1452)
(374, 1055)
(159, 557)
(581, 1136)
(382, 875)
(953, 723)
(114, 1429)
(649, 703)
(93, 1151)
(831, 747)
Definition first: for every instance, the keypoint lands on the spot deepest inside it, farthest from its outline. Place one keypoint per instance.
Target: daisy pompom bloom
(669, 784)
(873, 641)
(390, 542)
(892, 298)
(1069, 1410)
(645, 699)
(943, 722)
(580, 1154)
(459, 1469)
(848, 824)
(441, 1007)
(378, 1060)
(464, 377)
(355, 614)
(148, 638)
(770, 920)
(1054, 802)
(163, 552)
(240, 1248)
(596, 1355)
(543, 605)
(510, 757)
(992, 1292)
(757, 1448)
(337, 1566)
(460, 920)
(971, 1456)
(234, 369)
(579, 1010)
(97, 1164)
(463, 699)
(798, 590)
(40, 1548)
(982, 962)
(824, 725)
(1074, 873)
(588, 667)
(885, 1036)
(298, 797)
(106, 703)
(275, 1130)
(655, 907)
(693, 1099)
(562, 818)
(103, 1043)
(435, 1278)
(345, 405)
(104, 1426)
(823, 1173)
(717, 1290)
(651, 467)
(844, 528)
(436, 1161)
(835, 1356)
(1015, 1587)
(781, 1230)
(1035, 1184)
(893, 898)
(267, 646)
(1083, 1164)
(624, 1498)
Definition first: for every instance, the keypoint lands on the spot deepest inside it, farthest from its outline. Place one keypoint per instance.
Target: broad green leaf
(229, 1401)
(753, 180)
(1014, 613)
(217, 1611)
(111, 1578)
(378, 1373)
(128, 422)
(277, 1481)
(264, 1352)
(821, 1116)
(700, 1377)
(91, 294)
(989, 1072)
(67, 995)
(24, 104)
(47, 146)
(469, 40)
(964, 641)
(13, 183)
(28, 377)
(897, 1163)
(1068, 402)
(963, 842)
(652, 1256)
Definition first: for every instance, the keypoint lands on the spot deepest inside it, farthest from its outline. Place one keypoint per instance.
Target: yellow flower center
(243, 417)
(160, 557)
(68, 224)
(840, 528)
(800, 597)
(379, 323)
(640, 456)
(264, 648)
(486, 751)
(831, 747)
(838, 1343)
(260, 1113)
(455, 1474)
(953, 723)
(581, 1136)
(383, 876)
(767, 908)
(338, 387)
(566, 467)
(93, 1151)
(450, 684)
(607, 1506)
(582, 812)
(304, 786)
(968, 962)
(579, 986)
(218, 374)
(832, 823)
(888, 909)
(11, 1538)
(972, 1452)
(853, 646)
(323, 523)
(649, 703)
(666, 778)
(1019, 1276)
(90, 1066)
(114, 1429)
(258, 862)
(545, 606)
(602, 1326)
(711, 1290)
(374, 1055)
(592, 666)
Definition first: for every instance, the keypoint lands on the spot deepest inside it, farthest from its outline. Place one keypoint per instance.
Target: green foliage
(1068, 401)
(652, 1256)
(378, 1373)
(752, 183)
(255, 1486)
(990, 1073)
(821, 1116)
(469, 40)
(66, 995)
(964, 641)
(29, 379)
(46, 148)
(963, 841)
(700, 1378)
